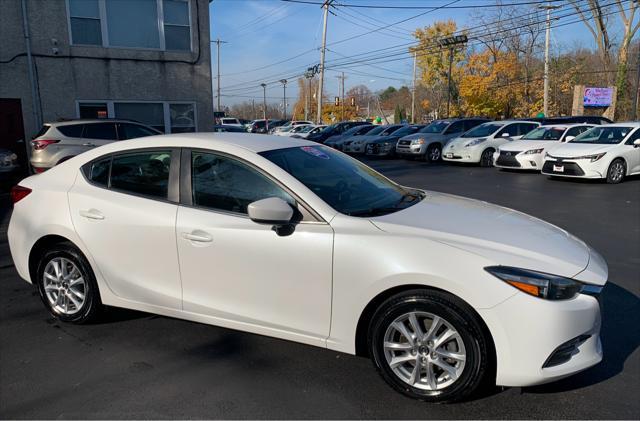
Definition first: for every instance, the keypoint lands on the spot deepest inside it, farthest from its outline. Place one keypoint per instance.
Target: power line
(377, 6)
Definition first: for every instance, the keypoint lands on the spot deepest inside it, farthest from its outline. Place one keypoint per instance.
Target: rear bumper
(526, 342)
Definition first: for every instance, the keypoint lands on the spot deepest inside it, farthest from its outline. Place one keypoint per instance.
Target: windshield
(485, 129)
(376, 131)
(405, 131)
(603, 135)
(357, 130)
(387, 131)
(545, 133)
(344, 183)
(435, 127)
(305, 129)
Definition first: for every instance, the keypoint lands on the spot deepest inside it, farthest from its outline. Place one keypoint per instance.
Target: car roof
(623, 124)
(91, 120)
(567, 125)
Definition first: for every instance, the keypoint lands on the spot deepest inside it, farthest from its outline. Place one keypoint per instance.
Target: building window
(148, 24)
(84, 17)
(165, 116)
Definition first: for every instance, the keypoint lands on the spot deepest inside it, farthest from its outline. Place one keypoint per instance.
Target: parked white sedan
(610, 152)
(478, 144)
(528, 152)
(291, 239)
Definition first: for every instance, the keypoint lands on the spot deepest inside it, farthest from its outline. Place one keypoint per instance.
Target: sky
(268, 40)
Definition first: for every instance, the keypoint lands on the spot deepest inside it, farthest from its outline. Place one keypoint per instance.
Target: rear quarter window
(71, 130)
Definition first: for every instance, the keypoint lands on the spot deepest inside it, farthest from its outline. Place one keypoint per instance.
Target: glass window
(344, 183)
(435, 127)
(151, 113)
(524, 128)
(72, 130)
(97, 110)
(106, 131)
(182, 118)
(470, 124)
(575, 131)
(633, 137)
(545, 133)
(486, 129)
(456, 127)
(85, 22)
(99, 172)
(133, 23)
(144, 173)
(132, 131)
(603, 135)
(226, 184)
(177, 34)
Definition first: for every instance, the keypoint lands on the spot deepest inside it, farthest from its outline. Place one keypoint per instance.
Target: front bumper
(357, 148)
(575, 168)
(411, 150)
(468, 155)
(374, 149)
(519, 161)
(527, 331)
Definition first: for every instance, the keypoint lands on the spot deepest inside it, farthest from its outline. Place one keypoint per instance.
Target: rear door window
(133, 131)
(142, 173)
(105, 131)
(71, 130)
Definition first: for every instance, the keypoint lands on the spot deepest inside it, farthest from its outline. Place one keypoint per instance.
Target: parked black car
(589, 119)
(335, 141)
(228, 128)
(335, 129)
(386, 145)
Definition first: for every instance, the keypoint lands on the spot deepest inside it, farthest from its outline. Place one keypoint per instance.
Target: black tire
(434, 153)
(617, 171)
(460, 316)
(486, 159)
(92, 305)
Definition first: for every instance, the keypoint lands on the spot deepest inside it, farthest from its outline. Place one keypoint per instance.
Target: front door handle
(199, 237)
(92, 214)
(88, 144)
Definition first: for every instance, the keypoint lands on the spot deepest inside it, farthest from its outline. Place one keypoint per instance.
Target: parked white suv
(59, 141)
(478, 144)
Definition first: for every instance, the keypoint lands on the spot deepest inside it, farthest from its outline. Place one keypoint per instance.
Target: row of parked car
(584, 147)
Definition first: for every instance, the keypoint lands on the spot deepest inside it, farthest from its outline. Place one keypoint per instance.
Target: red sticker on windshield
(315, 152)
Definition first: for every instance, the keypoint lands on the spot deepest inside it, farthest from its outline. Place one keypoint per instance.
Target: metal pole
(284, 98)
(218, 42)
(634, 114)
(307, 100)
(35, 96)
(449, 81)
(264, 105)
(546, 64)
(253, 108)
(325, 6)
(342, 111)
(413, 91)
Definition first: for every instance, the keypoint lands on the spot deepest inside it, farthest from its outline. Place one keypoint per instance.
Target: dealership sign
(597, 97)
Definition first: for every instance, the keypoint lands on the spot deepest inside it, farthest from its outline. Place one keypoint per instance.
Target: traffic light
(353, 101)
(337, 101)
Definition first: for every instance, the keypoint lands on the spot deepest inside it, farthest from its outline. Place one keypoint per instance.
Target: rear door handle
(92, 214)
(199, 237)
(88, 144)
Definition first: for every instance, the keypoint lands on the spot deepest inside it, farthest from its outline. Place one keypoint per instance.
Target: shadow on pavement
(620, 334)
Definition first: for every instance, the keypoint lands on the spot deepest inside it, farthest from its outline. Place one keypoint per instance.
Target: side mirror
(636, 143)
(569, 138)
(506, 135)
(271, 211)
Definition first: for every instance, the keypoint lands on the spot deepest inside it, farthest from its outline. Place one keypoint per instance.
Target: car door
(632, 153)
(123, 208)
(243, 273)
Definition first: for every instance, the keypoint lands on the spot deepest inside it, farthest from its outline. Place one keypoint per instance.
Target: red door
(12, 130)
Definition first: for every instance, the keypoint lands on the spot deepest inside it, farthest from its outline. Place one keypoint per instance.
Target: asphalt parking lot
(136, 365)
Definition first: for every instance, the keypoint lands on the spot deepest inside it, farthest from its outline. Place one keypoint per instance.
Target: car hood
(569, 150)
(504, 236)
(383, 139)
(362, 137)
(525, 145)
(425, 136)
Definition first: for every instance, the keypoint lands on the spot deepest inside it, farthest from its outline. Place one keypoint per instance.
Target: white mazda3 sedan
(528, 152)
(291, 239)
(479, 144)
(610, 152)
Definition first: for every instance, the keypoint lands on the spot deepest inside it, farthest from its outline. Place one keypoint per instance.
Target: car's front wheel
(617, 171)
(426, 345)
(434, 153)
(67, 284)
(486, 159)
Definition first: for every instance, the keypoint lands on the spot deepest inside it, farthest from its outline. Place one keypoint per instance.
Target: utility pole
(413, 90)
(548, 8)
(253, 109)
(218, 42)
(342, 77)
(284, 98)
(451, 43)
(325, 6)
(264, 106)
(307, 103)
(634, 114)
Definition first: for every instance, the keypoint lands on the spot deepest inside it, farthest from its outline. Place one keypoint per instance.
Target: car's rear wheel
(427, 346)
(616, 172)
(486, 159)
(67, 284)
(434, 153)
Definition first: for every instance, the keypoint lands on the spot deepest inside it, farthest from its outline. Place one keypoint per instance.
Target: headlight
(534, 151)
(386, 144)
(417, 142)
(475, 142)
(592, 158)
(542, 285)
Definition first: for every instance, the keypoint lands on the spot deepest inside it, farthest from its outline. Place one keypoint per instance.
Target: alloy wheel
(424, 350)
(64, 286)
(616, 171)
(434, 154)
